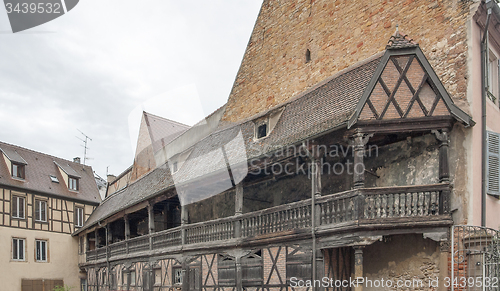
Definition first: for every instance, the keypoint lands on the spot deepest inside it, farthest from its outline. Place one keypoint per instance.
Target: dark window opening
(308, 56)
(262, 131)
(18, 171)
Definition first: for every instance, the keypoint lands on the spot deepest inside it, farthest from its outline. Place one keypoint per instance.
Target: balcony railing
(366, 206)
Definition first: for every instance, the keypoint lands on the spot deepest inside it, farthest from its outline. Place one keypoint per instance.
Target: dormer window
(73, 183)
(262, 131)
(18, 170)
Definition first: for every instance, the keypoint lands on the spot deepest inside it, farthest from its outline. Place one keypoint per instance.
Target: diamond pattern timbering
(403, 90)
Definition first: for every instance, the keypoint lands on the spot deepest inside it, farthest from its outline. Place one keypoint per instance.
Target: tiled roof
(323, 107)
(162, 131)
(37, 175)
(399, 40)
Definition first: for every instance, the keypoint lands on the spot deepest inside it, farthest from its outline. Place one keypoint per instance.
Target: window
(262, 131)
(493, 163)
(73, 183)
(83, 284)
(54, 179)
(18, 170)
(78, 217)
(157, 273)
(493, 77)
(132, 278)
(41, 250)
(18, 249)
(17, 207)
(308, 56)
(177, 275)
(40, 210)
(175, 167)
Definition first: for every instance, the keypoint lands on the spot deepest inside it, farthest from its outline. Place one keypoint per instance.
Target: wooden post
(151, 218)
(109, 235)
(359, 141)
(184, 222)
(238, 209)
(151, 223)
(444, 171)
(358, 266)
(127, 231)
(96, 238)
(239, 274)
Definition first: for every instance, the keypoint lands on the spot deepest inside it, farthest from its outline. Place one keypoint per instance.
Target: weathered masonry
(349, 179)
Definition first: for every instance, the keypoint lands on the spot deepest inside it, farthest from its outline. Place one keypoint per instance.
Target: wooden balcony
(365, 209)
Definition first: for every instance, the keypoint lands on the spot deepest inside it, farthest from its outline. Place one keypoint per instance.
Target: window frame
(18, 249)
(38, 203)
(73, 183)
(20, 172)
(79, 221)
(45, 244)
(175, 278)
(15, 214)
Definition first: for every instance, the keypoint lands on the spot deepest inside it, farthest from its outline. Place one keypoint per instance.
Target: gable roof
(39, 168)
(404, 85)
(162, 130)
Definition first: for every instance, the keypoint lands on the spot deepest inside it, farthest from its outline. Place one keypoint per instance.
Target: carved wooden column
(127, 231)
(358, 266)
(238, 208)
(358, 142)
(109, 235)
(151, 223)
(151, 218)
(442, 137)
(239, 274)
(97, 238)
(444, 169)
(184, 222)
(127, 227)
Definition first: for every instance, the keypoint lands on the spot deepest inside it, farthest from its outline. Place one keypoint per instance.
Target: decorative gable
(405, 86)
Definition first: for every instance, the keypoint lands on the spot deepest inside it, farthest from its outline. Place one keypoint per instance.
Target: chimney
(77, 160)
(111, 178)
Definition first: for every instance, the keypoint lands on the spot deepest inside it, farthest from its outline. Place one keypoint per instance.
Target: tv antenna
(85, 141)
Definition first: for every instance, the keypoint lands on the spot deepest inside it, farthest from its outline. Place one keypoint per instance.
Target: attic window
(54, 179)
(73, 183)
(18, 170)
(308, 56)
(262, 131)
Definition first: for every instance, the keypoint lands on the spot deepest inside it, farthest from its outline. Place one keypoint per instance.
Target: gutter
(491, 6)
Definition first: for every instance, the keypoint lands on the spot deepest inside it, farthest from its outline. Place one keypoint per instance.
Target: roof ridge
(37, 152)
(166, 119)
(400, 40)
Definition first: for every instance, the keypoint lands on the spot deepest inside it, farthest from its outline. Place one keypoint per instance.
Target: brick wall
(338, 34)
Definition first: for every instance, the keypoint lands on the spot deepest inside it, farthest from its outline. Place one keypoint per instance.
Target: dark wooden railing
(361, 205)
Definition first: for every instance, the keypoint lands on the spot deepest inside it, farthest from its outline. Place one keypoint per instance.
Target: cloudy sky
(97, 67)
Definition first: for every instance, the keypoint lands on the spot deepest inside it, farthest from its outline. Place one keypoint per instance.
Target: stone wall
(338, 34)
(403, 258)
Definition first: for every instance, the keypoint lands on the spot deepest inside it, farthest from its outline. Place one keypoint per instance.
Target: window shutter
(493, 163)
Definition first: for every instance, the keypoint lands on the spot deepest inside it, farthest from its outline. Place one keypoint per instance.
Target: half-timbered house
(43, 200)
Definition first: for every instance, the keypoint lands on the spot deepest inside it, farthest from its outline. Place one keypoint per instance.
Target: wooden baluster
(378, 202)
(390, 205)
(384, 205)
(433, 203)
(402, 203)
(427, 200)
(421, 203)
(408, 204)
(414, 204)
(396, 205)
